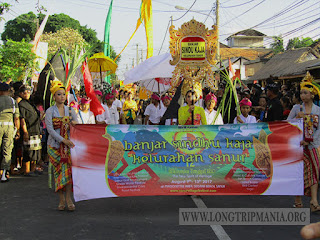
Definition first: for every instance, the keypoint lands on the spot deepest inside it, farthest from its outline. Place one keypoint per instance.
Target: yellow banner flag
(146, 18)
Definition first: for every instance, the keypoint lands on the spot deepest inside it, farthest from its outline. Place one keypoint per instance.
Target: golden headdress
(55, 86)
(309, 84)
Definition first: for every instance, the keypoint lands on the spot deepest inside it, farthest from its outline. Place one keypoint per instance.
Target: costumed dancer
(211, 101)
(58, 119)
(245, 108)
(129, 109)
(185, 112)
(311, 141)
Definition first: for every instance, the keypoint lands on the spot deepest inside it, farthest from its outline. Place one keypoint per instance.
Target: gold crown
(55, 86)
(307, 84)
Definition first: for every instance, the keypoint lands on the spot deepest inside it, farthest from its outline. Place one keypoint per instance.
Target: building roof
(249, 53)
(248, 32)
(288, 64)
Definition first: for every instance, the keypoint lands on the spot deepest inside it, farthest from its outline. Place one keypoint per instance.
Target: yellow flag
(146, 18)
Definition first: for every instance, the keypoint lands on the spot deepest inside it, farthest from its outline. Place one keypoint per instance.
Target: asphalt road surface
(28, 211)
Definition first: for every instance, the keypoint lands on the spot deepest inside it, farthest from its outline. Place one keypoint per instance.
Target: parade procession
(187, 132)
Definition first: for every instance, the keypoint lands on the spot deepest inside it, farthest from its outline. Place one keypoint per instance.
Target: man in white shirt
(153, 111)
(211, 101)
(117, 103)
(114, 115)
(104, 117)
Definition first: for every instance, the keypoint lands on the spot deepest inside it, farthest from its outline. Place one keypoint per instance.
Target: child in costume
(86, 114)
(58, 119)
(311, 141)
(211, 102)
(245, 108)
(185, 112)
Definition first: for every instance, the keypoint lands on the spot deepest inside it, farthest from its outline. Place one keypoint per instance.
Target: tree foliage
(25, 27)
(66, 38)
(277, 45)
(295, 43)
(22, 27)
(15, 60)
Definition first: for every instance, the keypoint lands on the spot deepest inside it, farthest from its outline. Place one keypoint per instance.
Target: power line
(244, 12)
(238, 4)
(213, 8)
(186, 11)
(164, 37)
(294, 16)
(285, 10)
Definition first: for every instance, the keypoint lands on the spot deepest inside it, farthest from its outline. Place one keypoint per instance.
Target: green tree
(295, 43)
(277, 45)
(66, 38)
(16, 58)
(25, 27)
(22, 27)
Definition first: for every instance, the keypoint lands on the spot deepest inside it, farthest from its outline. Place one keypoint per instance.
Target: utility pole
(217, 24)
(141, 55)
(171, 20)
(137, 57)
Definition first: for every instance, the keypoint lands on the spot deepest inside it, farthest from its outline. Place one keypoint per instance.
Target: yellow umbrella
(101, 63)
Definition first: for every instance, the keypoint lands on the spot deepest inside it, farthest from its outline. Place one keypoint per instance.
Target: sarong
(311, 169)
(61, 169)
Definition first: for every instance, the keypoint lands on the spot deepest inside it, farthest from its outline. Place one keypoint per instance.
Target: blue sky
(235, 15)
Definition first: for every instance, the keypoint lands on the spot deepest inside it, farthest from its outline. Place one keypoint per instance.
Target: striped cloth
(61, 170)
(311, 169)
(34, 143)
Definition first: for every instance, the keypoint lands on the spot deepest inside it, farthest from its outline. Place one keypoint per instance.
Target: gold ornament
(193, 48)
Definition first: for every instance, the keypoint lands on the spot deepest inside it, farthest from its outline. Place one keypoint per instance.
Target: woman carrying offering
(58, 120)
(311, 141)
(191, 114)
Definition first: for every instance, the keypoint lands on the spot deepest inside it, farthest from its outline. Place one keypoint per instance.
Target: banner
(235, 159)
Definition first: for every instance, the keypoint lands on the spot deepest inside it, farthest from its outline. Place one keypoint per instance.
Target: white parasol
(154, 73)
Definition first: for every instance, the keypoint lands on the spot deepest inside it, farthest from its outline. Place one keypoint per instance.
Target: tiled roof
(248, 53)
(289, 63)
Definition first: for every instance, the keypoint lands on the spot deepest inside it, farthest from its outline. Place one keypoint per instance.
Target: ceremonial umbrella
(99, 63)
(154, 73)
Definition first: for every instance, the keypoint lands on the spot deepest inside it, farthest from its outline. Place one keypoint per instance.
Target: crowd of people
(31, 137)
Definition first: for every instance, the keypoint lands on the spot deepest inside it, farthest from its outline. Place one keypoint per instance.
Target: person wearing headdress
(58, 120)
(153, 111)
(112, 109)
(245, 108)
(103, 118)
(75, 106)
(117, 103)
(86, 115)
(9, 120)
(191, 114)
(212, 119)
(311, 141)
(30, 126)
(129, 109)
(165, 102)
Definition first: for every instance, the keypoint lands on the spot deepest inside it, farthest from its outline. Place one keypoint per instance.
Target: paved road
(28, 211)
